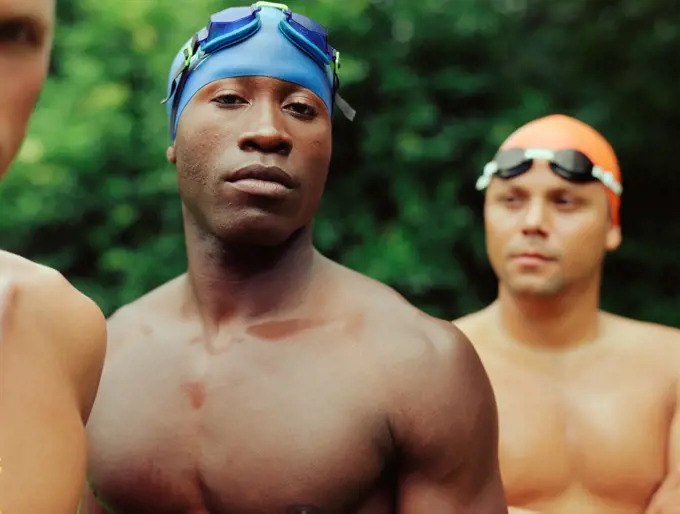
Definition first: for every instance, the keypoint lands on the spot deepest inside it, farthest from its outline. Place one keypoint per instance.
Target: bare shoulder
(439, 404)
(408, 341)
(157, 307)
(44, 297)
(43, 312)
(435, 356)
(642, 333)
(656, 344)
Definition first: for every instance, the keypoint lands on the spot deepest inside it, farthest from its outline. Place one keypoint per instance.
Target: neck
(567, 320)
(228, 281)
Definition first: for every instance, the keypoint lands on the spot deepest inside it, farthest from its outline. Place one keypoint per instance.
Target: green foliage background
(437, 84)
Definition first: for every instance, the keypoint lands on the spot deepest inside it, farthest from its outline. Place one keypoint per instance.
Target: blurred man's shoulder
(21, 271)
(644, 333)
(41, 307)
(43, 292)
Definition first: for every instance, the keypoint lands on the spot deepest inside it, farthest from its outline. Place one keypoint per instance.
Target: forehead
(540, 179)
(40, 9)
(259, 82)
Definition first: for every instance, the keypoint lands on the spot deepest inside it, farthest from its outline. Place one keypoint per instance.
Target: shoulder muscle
(43, 314)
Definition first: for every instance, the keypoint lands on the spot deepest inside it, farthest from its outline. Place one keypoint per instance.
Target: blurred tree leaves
(437, 85)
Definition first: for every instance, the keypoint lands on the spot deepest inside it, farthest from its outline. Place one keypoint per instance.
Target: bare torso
(584, 430)
(286, 416)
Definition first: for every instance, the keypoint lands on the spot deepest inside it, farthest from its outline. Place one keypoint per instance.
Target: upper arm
(75, 326)
(674, 435)
(45, 360)
(447, 432)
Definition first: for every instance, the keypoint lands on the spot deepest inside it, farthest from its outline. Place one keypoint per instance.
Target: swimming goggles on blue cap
(235, 24)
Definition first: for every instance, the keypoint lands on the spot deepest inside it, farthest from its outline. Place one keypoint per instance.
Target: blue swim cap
(268, 52)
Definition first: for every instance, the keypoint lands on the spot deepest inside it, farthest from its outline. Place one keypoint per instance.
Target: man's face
(545, 234)
(25, 42)
(233, 124)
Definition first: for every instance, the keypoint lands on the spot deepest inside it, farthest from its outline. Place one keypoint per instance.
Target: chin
(256, 232)
(540, 287)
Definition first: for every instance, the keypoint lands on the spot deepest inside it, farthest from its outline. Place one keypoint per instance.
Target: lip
(533, 255)
(263, 173)
(260, 180)
(531, 258)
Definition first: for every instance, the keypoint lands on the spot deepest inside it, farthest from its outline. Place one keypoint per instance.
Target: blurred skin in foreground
(588, 401)
(269, 379)
(52, 338)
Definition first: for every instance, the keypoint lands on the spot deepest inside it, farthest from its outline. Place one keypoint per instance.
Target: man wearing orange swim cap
(52, 338)
(588, 402)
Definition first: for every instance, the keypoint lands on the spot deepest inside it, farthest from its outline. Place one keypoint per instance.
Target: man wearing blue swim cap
(269, 379)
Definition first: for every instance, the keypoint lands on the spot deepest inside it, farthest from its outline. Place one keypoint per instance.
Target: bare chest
(256, 427)
(601, 428)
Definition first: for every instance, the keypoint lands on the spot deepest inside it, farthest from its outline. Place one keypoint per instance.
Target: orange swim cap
(560, 132)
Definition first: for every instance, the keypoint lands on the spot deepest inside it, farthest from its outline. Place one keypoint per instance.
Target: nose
(266, 131)
(536, 220)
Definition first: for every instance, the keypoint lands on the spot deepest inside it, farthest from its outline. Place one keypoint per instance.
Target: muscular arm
(51, 354)
(666, 499)
(446, 431)
(674, 436)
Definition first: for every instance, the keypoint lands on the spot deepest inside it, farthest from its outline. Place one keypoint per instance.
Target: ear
(613, 238)
(171, 155)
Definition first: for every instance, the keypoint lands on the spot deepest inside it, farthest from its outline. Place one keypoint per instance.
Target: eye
(17, 32)
(302, 109)
(510, 199)
(229, 100)
(565, 201)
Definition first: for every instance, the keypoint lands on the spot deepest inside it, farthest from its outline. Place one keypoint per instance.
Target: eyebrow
(550, 191)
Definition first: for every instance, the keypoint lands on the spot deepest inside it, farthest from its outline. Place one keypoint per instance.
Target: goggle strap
(192, 46)
(482, 182)
(607, 178)
(485, 179)
(490, 168)
(344, 107)
(282, 7)
(172, 90)
(175, 101)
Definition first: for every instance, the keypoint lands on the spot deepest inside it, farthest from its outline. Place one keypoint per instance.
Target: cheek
(313, 156)
(20, 87)
(191, 167)
(499, 227)
(205, 127)
(584, 242)
(315, 143)
(199, 149)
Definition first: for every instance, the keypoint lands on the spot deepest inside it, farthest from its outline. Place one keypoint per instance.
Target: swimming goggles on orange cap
(571, 165)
